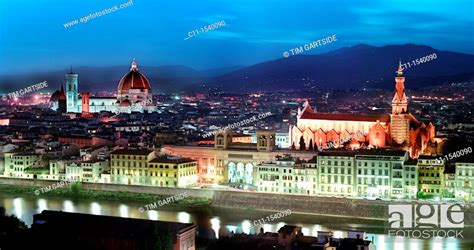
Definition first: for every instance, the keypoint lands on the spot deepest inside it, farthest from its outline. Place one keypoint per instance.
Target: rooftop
(132, 152)
(91, 224)
(171, 159)
(345, 117)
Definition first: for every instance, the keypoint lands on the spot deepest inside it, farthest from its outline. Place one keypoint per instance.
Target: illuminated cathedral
(400, 129)
(134, 94)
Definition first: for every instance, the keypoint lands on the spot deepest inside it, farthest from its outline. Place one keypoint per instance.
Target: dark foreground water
(237, 220)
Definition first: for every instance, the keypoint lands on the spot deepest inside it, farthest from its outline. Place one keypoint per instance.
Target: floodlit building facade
(366, 174)
(400, 129)
(130, 166)
(17, 162)
(464, 178)
(430, 176)
(287, 175)
(168, 171)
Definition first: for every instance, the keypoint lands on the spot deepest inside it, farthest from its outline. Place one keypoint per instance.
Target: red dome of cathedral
(58, 95)
(125, 103)
(133, 80)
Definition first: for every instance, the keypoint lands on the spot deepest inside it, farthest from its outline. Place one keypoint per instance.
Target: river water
(212, 221)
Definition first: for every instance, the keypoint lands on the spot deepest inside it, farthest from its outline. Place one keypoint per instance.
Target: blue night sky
(32, 35)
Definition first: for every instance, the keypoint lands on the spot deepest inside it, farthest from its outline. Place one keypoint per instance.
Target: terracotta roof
(58, 95)
(133, 80)
(345, 117)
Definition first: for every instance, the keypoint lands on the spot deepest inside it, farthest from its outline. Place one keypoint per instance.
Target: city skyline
(260, 125)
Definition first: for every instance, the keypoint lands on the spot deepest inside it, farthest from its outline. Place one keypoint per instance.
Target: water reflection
(25, 207)
(231, 229)
(123, 211)
(68, 206)
(216, 225)
(18, 206)
(153, 215)
(338, 234)
(42, 205)
(246, 225)
(95, 208)
(267, 228)
(381, 241)
(316, 228)
(184, 217)
(414, 246)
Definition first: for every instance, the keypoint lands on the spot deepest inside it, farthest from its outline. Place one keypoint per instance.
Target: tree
(45, 161)
(167, 242)
(316, 147)
(310, 147)
(302, 144)
(76, 188)
(156, 243)
(293, 146)
(161, 240)
(12, 230)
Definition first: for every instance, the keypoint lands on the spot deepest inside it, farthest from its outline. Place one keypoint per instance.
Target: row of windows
(139, 164)
(413, 169)
(336, 179)
(430, 182)
(372, 181)
(372, 171)
(429, 174)
(128, 164)
(287, 190)
(134, 157)
(335, 170)
(152, 173)
(372, 164)
(276, 177)
(433, 168)
(336, 189)
(429, 190)
(337, 163)
(464, 172)
(161, 166)
(21, 163)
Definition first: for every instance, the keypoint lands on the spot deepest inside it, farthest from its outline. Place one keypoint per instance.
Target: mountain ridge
(354, 67)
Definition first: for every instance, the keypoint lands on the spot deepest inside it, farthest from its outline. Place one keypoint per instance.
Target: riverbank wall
(331, 206)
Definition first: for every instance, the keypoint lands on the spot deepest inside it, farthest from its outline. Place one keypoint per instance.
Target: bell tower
(400, 100)
(71, 91)
(399, 122)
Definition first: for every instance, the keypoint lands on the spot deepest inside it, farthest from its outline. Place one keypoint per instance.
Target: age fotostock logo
(423, 221)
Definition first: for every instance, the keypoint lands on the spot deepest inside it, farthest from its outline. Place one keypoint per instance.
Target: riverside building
(364, 174)
(144, 167)
(233, 163)
(287, 175)
(168, 171)
(464, 178)
(431, 176)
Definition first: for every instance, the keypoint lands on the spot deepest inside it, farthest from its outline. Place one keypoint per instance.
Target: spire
(62, 88)
(134, 65)
(399, 101)
(70, 71)
(400, 69)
